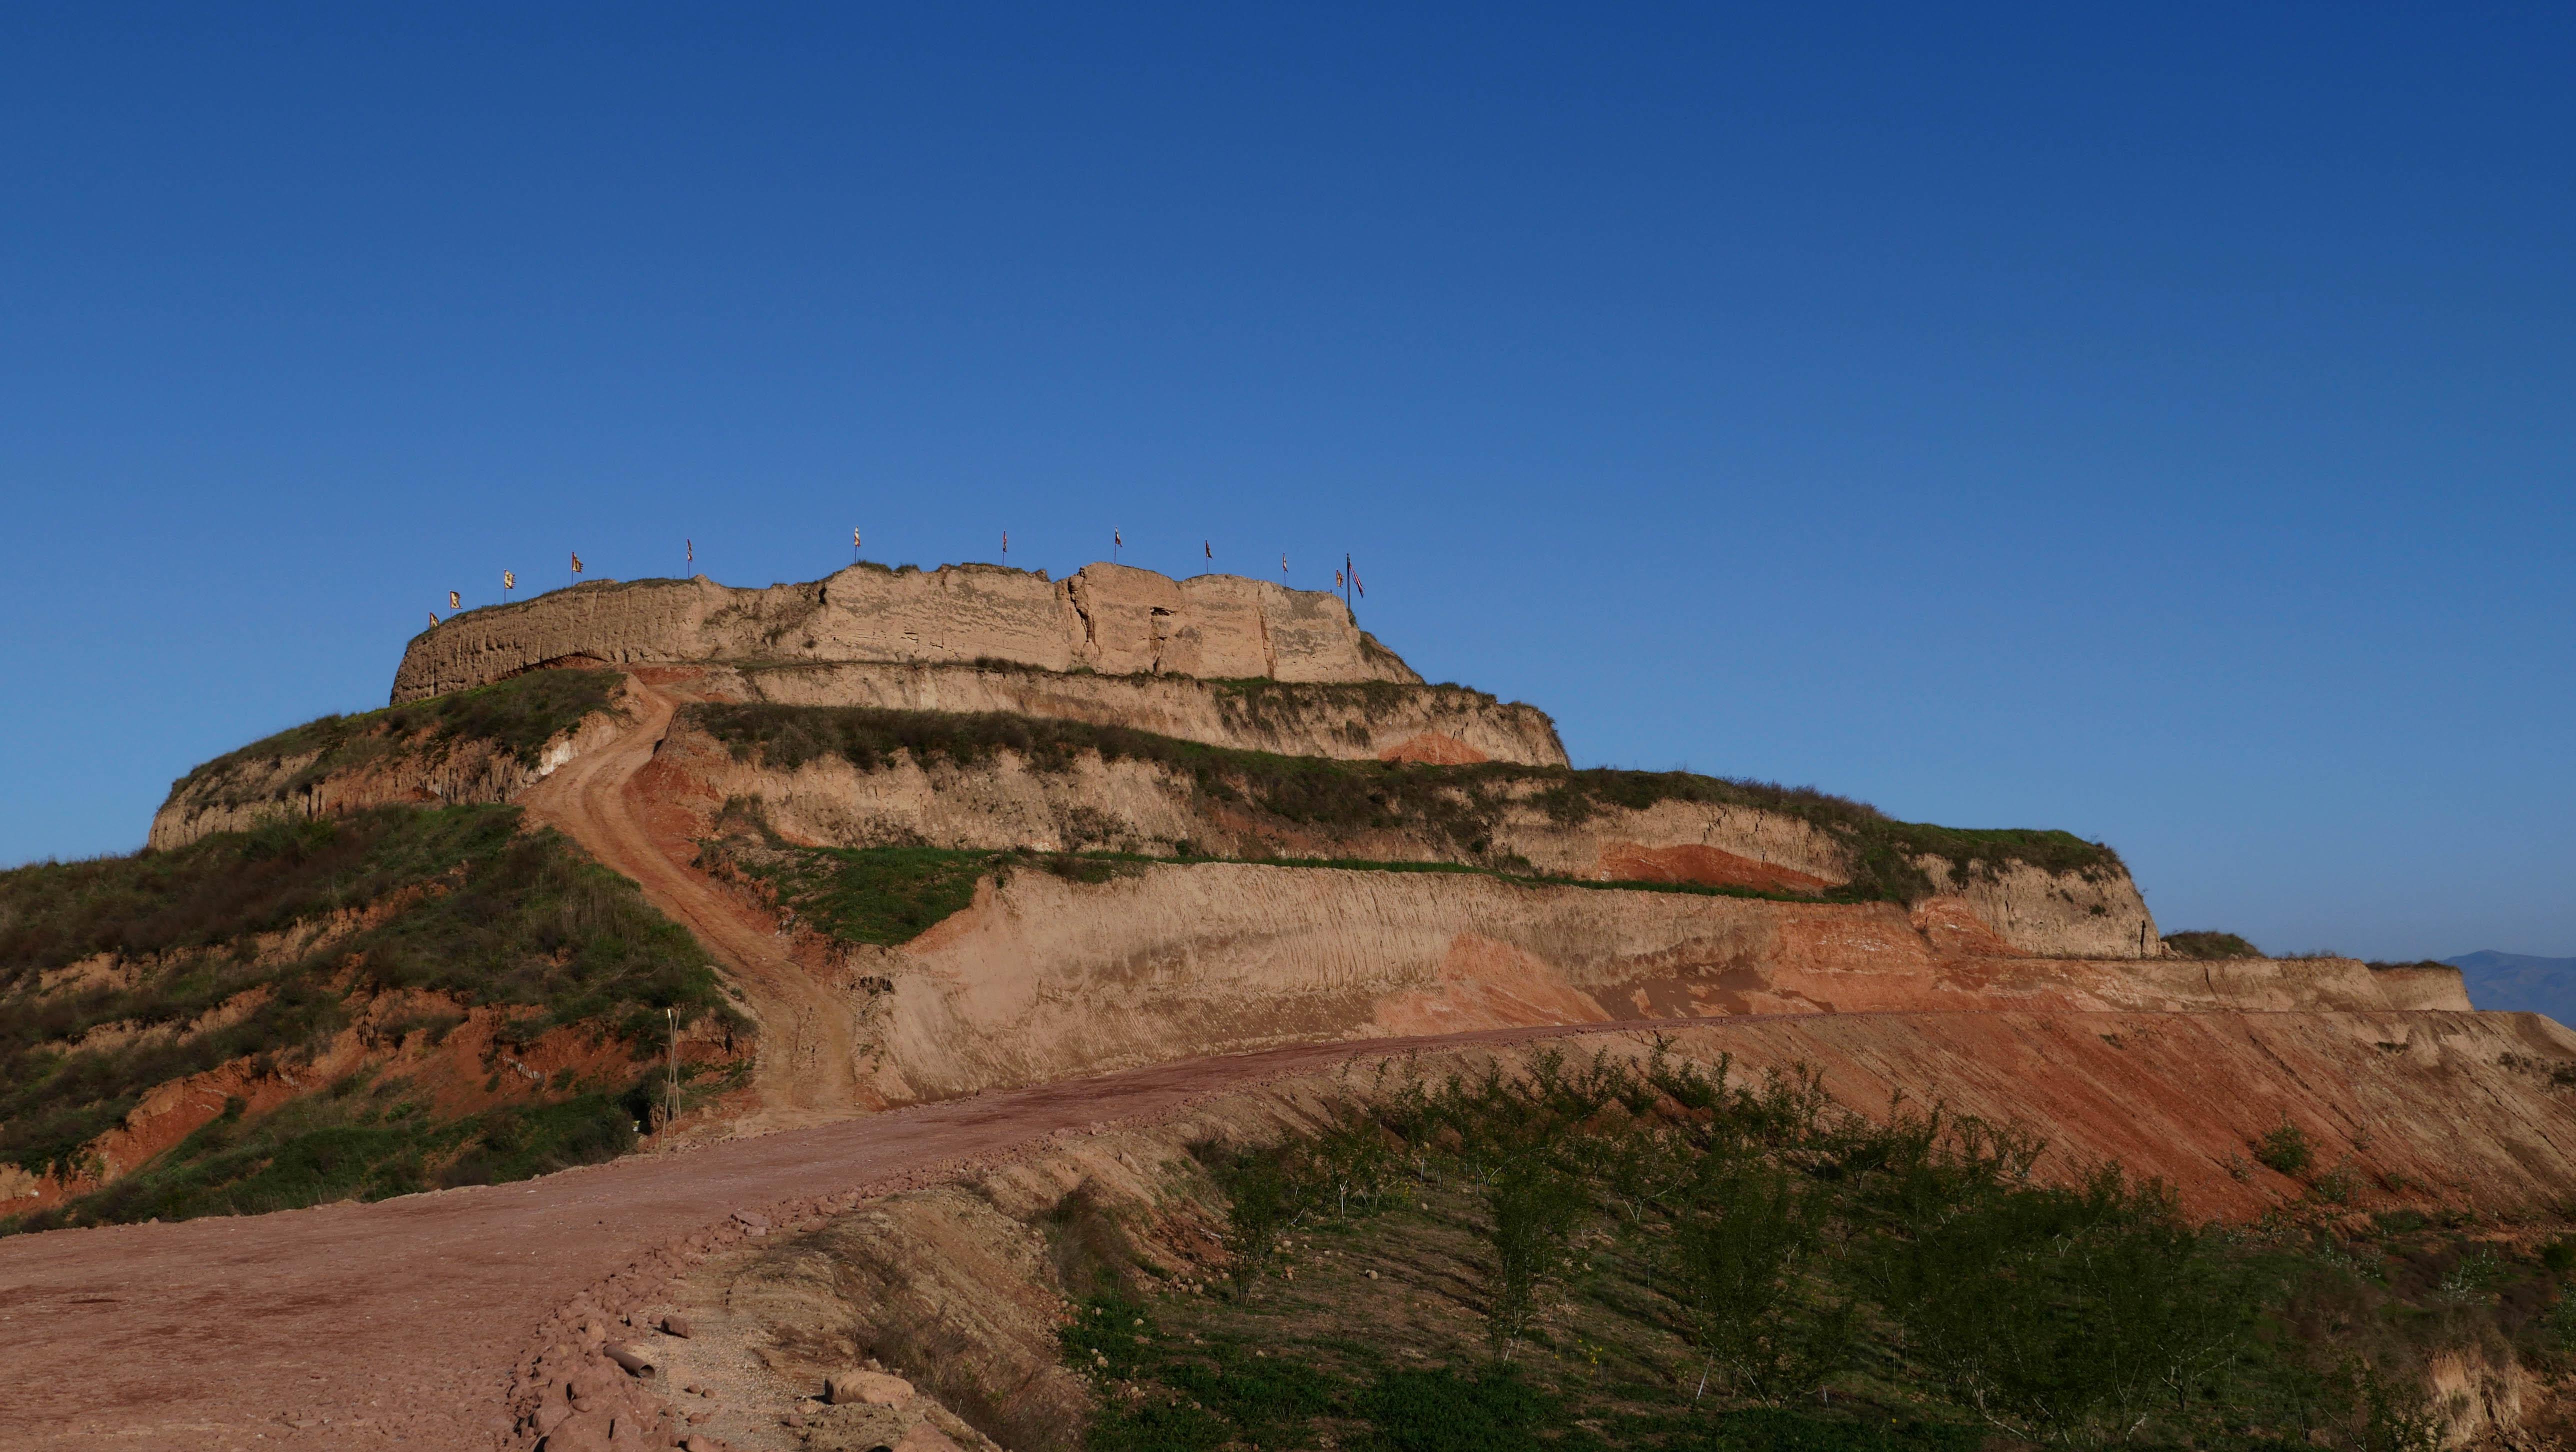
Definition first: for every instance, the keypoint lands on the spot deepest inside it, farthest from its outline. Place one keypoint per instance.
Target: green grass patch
(1455, 809)
(517, 716)
(318, 1150)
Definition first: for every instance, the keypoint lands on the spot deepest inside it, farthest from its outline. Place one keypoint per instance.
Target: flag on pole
(854, 539)
(1356, 585)
(509, 581)
(1337, 579)
(1283, 567)
(1208, 550)
(454, 603)
(433, 620)
(1006, 546)
(576, 562)
(692, 547)
(1117, 541)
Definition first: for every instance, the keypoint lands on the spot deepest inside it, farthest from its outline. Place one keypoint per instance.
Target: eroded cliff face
(1365, 721)
(1044, 978)
(414, 769)
(1149, 807)
(2057, 914)
(1106, 618)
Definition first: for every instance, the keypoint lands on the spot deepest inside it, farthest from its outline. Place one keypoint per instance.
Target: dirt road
(400, 1321)
(806, 1071)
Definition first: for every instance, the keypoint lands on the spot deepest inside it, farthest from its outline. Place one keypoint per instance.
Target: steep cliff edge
(1057, 969)
(859, 778)
(1105, 618)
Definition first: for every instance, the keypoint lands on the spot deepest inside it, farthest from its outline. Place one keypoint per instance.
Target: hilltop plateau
(723, 873)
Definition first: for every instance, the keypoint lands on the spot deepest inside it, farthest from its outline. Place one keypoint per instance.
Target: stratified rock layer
(1044, 979)
(1105, 618)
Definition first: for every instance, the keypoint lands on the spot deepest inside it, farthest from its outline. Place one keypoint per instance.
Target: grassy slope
(473, 908)
(1598, 1257)
(1458, 805)
(518, 716)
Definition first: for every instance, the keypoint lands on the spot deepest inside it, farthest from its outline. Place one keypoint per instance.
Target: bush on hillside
(2210, 945)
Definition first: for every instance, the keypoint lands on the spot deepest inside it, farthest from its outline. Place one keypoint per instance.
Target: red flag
(1356, 585)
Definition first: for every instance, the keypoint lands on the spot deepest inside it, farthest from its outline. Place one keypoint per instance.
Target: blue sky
(2151, 423)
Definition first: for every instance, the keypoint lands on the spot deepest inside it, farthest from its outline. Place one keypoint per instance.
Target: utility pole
(671, 1073)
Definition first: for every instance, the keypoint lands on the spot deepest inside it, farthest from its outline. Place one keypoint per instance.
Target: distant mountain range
(2519, 980)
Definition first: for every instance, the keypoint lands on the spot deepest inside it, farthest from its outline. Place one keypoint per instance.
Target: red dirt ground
(401, 1321)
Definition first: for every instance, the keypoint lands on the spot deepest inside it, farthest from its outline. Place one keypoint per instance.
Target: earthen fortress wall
(1106, 618)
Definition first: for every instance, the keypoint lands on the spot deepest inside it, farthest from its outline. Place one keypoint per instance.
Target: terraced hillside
(885, 869)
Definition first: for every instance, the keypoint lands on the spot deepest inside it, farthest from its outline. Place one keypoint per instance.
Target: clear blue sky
(2154, 423)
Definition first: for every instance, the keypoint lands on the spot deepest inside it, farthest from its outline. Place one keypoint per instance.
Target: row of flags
(1346, 579)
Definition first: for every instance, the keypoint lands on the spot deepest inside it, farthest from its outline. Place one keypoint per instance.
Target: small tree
(2285, 1149)
(1533, 1210)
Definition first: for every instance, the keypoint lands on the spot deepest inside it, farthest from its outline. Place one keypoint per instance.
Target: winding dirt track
(807, 1070)
(400, 1320)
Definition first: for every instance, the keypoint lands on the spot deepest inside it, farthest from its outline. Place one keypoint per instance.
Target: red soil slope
(406, 1320)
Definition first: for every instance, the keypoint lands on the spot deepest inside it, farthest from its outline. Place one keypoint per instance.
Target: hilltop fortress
(1265, 828)
(1110, 619)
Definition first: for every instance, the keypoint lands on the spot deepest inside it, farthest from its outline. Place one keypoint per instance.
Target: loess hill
(899, 835)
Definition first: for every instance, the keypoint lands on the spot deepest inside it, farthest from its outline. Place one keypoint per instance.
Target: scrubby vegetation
(1459, 806)
(2202, 944)
(1618, 1255)
(517, 716)
(888, 895)
(120, 974)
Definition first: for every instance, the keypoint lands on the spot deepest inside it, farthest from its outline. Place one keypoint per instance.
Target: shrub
(2204, 944)
(2284, 1149)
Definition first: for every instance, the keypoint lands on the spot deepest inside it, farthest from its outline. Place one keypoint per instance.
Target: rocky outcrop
(2057, 914)
(1374, 720)
(1043, 978)
(1106, 618)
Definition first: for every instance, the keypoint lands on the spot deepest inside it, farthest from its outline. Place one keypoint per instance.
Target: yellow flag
(453, 603)
(576, 562)
(509, 581)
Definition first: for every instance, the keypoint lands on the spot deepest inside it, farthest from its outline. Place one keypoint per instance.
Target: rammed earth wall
(1106, 618)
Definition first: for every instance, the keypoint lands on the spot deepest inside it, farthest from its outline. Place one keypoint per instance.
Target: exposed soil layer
(960, 784)
(421, 1319)
(1387, 720)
